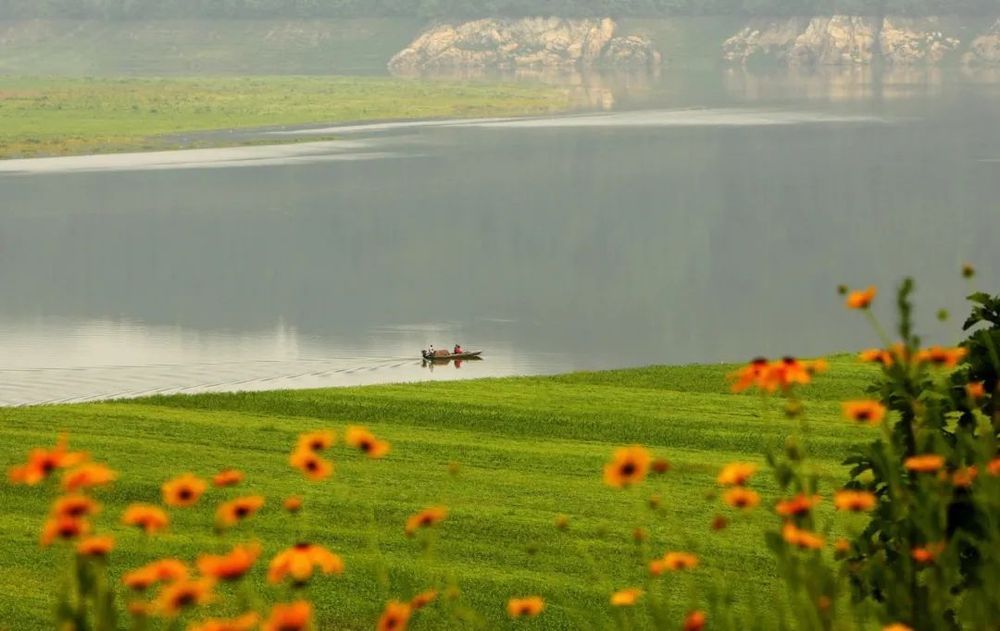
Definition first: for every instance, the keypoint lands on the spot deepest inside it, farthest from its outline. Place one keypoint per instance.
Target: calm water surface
(699, 219)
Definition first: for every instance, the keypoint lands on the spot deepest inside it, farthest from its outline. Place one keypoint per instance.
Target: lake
(700, 216)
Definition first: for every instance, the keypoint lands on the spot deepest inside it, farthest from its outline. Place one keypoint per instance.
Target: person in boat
(430, 353)
(457, 350)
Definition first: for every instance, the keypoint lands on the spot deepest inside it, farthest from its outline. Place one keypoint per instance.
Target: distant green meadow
(60, 116)
(506, 456)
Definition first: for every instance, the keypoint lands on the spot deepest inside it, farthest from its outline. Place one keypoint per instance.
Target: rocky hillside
(506, 44)
(846, 39)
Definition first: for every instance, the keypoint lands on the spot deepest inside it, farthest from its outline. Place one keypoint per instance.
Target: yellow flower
(246, 622)
(425, 519)
(294, 616)
(395, 617)
(530, 606)
(798, 505)
(896, 626)
(626, 597)
(87, 476)
(63, 528)
(235, 511)
(927, 463)
(292, 504)
(736, 474)
(75, 506)
(315, 467)
(869, 412)
(316, 441)
(227, 477)
(99, 546)
(946, 357)
(231, 566)
(149, 518)
(628, 466)
(672, 562)
(299, 561)
(43, 462)
(183, 490)
(861, 299)
(801, 538)
(854, 501)
(183, 594)
(877, 356)
(739, 497)
(423, 599)
(360, 438)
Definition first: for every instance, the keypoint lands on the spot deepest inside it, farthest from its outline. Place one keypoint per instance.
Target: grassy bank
(530, 449)
(60, 116)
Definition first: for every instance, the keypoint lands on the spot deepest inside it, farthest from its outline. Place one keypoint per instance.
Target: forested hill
(133, 9)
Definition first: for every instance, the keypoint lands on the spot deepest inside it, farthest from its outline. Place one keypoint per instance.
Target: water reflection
(591, 241)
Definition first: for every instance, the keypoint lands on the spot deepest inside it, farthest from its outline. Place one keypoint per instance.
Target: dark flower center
(312, 465)
(185, 599)
(302, 545)
(185, 494)
(366, 446)
(241, 511)
(628, 469)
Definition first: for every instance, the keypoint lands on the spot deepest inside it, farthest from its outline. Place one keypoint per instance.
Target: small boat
(446, 356)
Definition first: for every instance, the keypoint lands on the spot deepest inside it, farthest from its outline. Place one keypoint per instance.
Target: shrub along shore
(64, 116)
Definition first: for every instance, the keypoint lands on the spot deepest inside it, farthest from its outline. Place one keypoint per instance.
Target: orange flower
(854, 501)
(167, 570)
(293, 504)
(231, 566)
(661, 465)
(672, 562)
(842, 546)
(75, 506)
(975, 390)
(425, 519)
(877, 356)
(150, 518)
(63, 528)
(235, 511)
(896, 626)
(798, 505)
(299, 561)
(423, 599)
(861, 299)
(246, 622)
(395, 617)
(801, 538)
(315, 467)
(964, 477)
(927, 463)
(750, 375)
(926, 555)
(361, 438)
(946, 357)
(626, 597)
(628, 466)
(694, 621)
(788, 372)
(316, 441)
(289, 617)
(736, 474)
(178, 596)
(994, 466)
(739, 497)
(870, 412)
(43, 462)
(99, 546)
(183, 490)
(530, 606)
(87, 476)
(227, 477)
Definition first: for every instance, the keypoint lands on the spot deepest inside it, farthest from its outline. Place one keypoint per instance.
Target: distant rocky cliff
(985, 49)
(507, 44)
(847, 39)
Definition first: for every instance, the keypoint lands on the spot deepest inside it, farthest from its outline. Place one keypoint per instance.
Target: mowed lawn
(529, 449)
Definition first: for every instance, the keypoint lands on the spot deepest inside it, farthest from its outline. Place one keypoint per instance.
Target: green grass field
(59, 116)
(530, 449)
